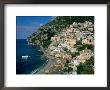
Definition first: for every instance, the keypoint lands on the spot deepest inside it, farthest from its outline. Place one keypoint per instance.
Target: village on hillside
(67, 43)
(71, 47)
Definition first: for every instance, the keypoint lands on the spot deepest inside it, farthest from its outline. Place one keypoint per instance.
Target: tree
(87, 67)
(54, 27)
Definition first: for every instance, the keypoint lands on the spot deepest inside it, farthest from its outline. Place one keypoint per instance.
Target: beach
(43, 68)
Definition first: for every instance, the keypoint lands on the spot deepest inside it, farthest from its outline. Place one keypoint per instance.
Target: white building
(73, 49)
(78, 35)
(90, 29)
(75, 24)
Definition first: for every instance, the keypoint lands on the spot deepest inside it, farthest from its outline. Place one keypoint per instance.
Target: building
(73, 49)
(75, 24)
(75, 62)
(78, 35)
(58, 55)
(90, 24)
(63, 45)
(55, 38)
(57, 49)
(67, 57)
(70, 42)
(91, 29)
(51, 47)
(88, 40)
(85, 55)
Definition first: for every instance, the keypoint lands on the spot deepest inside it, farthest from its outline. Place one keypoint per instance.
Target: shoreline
(49, 61)
(41, 69)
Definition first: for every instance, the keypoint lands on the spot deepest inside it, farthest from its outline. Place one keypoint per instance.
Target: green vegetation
(67, 68)
(81, 46)
(42, 38)
(87, 67)
(85, 46)
(43, 35)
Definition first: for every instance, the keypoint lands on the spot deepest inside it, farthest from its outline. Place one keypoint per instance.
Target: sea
(34, 61)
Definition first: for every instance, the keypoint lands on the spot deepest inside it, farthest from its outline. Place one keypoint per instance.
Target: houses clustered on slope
(64, 47)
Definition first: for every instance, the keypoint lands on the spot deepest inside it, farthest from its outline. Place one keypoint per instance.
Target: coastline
(50, 61)
(43, 68)
(40, 68)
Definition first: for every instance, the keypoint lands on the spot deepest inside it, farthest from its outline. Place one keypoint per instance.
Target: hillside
(43, 35)
(68, 44)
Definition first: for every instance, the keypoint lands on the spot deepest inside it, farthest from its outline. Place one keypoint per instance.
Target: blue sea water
(26, 66)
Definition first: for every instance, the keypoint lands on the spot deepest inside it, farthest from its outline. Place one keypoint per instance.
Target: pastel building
(70, 42)
(85, 55)
(88, 40)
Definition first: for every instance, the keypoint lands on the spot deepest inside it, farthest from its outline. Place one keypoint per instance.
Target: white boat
(25, 57)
